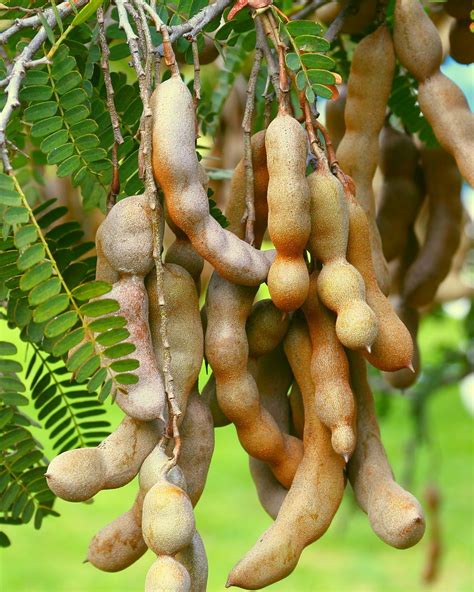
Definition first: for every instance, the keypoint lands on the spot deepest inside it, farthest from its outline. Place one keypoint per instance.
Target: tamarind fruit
(209, 396)
(393, 347)
(340, 286)
(265, 328)
(175, 167)
(167, 575)
(334, 116)
(314, 495)
(269, 490)
(297, 409)
(353, 22)
(288, 209)
(194, 559)
(400, 196)
(330, 374)
(77, 475)
(441, 101)
(394, 514)
(431, 266)
(461, 42)
(184, 328)
(372, 67)
(226, 346)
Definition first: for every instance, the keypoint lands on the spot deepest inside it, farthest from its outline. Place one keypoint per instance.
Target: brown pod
(266, 327)
(297, 410)
(194, 559)
(431, 266)
(209, 396)
(400, 195)
(314, 496)
(394, 514)
(461, 42)
(334, 116)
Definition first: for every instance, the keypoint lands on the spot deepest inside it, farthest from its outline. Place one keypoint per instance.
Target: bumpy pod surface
(228, 307)
(431, 266)
(209, 396)
(194, 559)
(400, 195)
(288, 211)
(334, 403)
(394, 514)
(77, 475)
(340, 285)
(266, 327)
(167, 575)
(176, 169)
(151, 471)
(372, 67)
(393, 347)
(314, 496)
(185, 334)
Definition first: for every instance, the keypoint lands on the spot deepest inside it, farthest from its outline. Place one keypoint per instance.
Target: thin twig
(309, 9)
(197, 70)
(309, 124)
(270, 27)
(272, 67)
(249, 215)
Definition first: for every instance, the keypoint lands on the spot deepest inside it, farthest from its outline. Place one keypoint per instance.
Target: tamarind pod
(372, 67)
(146, 399)
(77, 475)
(341, 287)
(185, 334)
(393, 347)
(394, 514)
(459, 9)
(314, 495)
(330, 374)
(297, 409)
(461, 42)
(125, 237)
(197, 445)
(266, 327)
(269, 490)
(104, 270)
(120, 543)
(288, 211)
(416, 40)
(334, 116)
(166, 574)
(194, 559)
(151, 471)
(209, 396)
(226, 346)
(175, 167)
(433, 262)
(353, 22)
(236, 206)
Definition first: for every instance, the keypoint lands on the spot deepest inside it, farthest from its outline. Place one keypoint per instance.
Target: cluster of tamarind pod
(290, 372)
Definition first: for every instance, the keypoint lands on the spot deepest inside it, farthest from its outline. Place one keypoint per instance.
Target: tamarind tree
(120, 118)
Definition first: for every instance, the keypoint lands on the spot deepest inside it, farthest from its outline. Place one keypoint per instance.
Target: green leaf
(119, 351)
(81, 355)
(297, 28)
(105, 392)
(11, 383)
(6, 182)
(125, 365)
(7, 349)
(36, 77)
(101, 325)
(91, 290)
(94, 154)
(68, 82)
(311, 43)
(16, 216)
(40, 111)
(83, 15)
(35, 276)
(13, 437)
(317, 60)
(51, 308)
(44, 291)
(322, 91)
(126, 378)
(68, 341)
(31, 256)
(4, 540)
(10, 366)
(58, 154)
(25, 236)
(100, 307)
(13, 399)
(61, 324)
(47, 27)
(36, 93)
(87, 141)
(301, 80)
(76, 114)
(112, 337)
(9, 198)
(68, 166)
(321, 77)
(62, 67)
(96, 381)
(88, 369)
(46, 127)
(310, 95)
(54, 141)
(293, 61)
(84, 127)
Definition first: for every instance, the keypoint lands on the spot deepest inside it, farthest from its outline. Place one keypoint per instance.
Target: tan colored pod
(270, 492)
(197, 446)
(227, 350)
(330, 374)
(185, 334)
(314, 496)
(394, 514)
(151, 470)
(209, 396)
(194, 559)
(288, 211)
(176, 169)
(334, 116)
(168, 519)
(341, 287)
(77, 475)
(416, 39)
(266, 327)
(433, 262)
(236, 207)
(125, 237)
(461, 42)
(167, 574)
(393, 347)
(372, 67)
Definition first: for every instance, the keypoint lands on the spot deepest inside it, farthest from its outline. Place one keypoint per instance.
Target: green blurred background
(348, 558)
